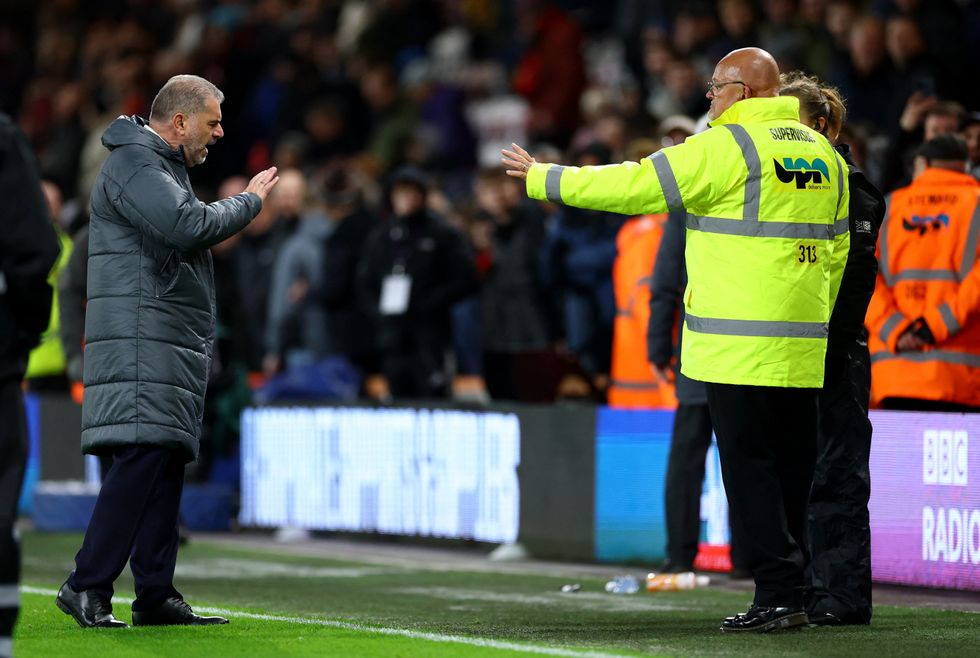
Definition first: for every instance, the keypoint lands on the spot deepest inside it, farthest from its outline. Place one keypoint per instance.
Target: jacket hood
(132, 130)
(752, 110)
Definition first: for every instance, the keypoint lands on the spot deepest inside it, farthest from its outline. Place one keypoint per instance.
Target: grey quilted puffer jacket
(149, 323)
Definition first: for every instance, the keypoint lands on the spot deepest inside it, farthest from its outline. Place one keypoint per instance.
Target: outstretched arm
(656, 184)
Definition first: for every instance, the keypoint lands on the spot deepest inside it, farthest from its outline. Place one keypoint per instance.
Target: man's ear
(179, 123)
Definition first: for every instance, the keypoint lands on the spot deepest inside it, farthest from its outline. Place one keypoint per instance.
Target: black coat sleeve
(28, 250)
(666, 289)
(865, 213)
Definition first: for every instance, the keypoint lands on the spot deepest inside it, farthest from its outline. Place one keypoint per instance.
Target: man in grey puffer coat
(149, 331)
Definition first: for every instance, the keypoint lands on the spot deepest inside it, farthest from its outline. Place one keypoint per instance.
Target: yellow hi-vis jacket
(48, 358)
(767, 237)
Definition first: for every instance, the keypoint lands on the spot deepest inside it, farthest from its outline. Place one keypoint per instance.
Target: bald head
(756, 68)
(742, 73)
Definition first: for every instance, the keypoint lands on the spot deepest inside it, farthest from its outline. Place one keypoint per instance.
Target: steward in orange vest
(633, 383)
(924, 318)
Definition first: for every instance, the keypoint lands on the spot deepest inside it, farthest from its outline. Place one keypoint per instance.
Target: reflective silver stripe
(767, 328)
(970, 250)
(755, 229)
(753, 182)
(925, 275)
(947, 314)
(672, 193)
(883, 242)
(6, 647)
(945, 356)
(9, 596)
(886, 329)
(552, 183)
(634, 386)
(623, 313)
(644, 281)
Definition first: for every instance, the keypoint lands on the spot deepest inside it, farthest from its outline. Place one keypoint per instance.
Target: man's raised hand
(263, 182)
(517, 161)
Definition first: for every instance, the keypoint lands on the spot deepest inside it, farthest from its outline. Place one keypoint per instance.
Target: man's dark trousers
(690, 439)
(767, 441)
(135, 519)
(839, 577)
(13, 458)
(689, 443)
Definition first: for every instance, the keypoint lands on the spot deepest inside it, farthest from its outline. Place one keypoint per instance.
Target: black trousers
(13, 460)
(767, 441)
(135, 519)
(689, 442)
(839, 575)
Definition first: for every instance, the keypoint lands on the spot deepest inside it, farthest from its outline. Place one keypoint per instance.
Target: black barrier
(557, 480)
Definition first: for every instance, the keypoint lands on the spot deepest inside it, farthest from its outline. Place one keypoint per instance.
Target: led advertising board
(925, 499)
(437, 473)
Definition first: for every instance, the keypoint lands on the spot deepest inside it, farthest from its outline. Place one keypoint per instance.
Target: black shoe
(88, 608)
(830, 619)
(173, 612)
(670, 566)
(825, 619)
(761, 619)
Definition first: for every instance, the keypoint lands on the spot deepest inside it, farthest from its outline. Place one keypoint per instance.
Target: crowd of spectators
(361, 102)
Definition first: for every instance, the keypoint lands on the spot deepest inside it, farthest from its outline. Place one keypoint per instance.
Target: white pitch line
(381, 630)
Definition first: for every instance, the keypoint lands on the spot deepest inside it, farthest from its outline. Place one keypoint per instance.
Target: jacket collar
(754, 110)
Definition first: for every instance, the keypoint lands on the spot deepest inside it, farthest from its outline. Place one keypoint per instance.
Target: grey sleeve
(159, 207)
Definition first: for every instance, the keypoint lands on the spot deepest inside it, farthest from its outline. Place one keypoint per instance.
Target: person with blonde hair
(839, 575)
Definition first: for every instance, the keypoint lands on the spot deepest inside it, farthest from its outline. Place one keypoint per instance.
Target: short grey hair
(187, 94)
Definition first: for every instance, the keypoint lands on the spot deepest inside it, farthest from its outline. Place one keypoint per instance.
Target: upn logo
(802, 172)
(923, 223)
(945, 457)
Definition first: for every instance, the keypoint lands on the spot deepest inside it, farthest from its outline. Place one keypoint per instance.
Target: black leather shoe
(670, 566)
(825, 619)
(830, 619)
(173, 612)
(88, 608)
(761, 619)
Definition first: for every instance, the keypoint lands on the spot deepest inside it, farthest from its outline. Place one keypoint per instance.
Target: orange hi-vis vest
(633, 383)
(927, 255)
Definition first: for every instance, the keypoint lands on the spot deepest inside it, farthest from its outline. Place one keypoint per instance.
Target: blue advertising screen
(631, 469)
(632, 447)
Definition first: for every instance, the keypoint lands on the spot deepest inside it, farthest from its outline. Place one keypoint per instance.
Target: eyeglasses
(714, 87)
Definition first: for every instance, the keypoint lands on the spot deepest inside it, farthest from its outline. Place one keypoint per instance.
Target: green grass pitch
(284, 605)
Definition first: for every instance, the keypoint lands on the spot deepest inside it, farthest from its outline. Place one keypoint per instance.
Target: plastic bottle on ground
(623, 585)
(675, 582)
